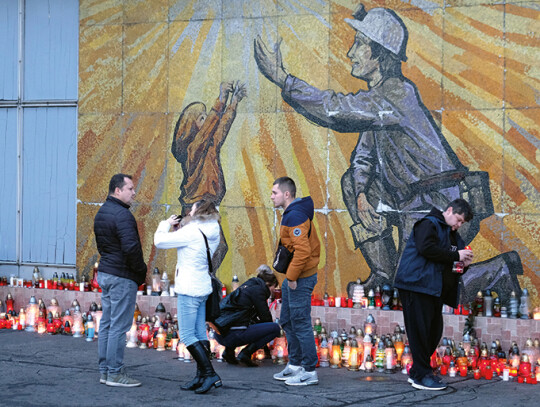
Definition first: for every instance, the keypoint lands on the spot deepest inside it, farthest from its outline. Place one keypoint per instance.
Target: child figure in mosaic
(198, 138)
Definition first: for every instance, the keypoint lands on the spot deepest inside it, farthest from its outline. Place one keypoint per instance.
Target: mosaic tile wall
(475, 63)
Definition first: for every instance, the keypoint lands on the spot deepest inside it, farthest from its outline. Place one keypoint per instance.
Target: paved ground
(62, 371)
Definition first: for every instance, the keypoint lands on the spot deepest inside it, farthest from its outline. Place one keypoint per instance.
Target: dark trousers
(257, 334)
(423, 319)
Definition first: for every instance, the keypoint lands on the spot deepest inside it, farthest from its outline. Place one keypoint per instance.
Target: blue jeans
(118, 296)
(295, 319)
(192, 318)
(256, 334)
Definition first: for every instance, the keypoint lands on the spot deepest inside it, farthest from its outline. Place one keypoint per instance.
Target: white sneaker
(303, 378)
(288, 372)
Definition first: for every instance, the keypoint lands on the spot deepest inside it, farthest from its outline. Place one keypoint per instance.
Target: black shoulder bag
(213, 300)
(284, 257)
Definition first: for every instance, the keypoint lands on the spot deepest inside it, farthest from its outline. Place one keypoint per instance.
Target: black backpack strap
(210, 268)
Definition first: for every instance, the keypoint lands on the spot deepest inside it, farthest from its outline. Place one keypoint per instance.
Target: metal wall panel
(51, 49)
(49, 185)
(8, 49)
(8, 184)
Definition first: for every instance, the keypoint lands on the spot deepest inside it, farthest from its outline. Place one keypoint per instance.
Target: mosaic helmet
(382, 26)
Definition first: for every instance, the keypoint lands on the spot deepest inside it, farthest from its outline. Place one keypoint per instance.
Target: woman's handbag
(213, 300)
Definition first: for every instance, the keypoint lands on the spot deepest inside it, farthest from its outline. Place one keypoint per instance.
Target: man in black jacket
(426, 281)
(121, 270)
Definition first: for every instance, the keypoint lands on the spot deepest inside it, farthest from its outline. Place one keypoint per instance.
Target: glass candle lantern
(368, 364)
(335, 360)
(353, 356)
(389, 360)
(161, 339)
(160, 312)
(317, 326)
(174, 341)
(379, 357)
(165, 284)
(219, 353)
(10, 303)
(525, 368)
(452, 369)
(77, 328)
(345, 353)
(371, 299)
(399, 346)
(370, 326)
(67, 318)
(132, 335)
(22, 318)
(280, 349)
(144, 334)
(180, 350)
(156, 282)
(97, 315)
(31, 314)
(94, 285)
(259, 355)
(367, 350)
(406, 360)
(90, 328)
(53, 307)
(324, 362)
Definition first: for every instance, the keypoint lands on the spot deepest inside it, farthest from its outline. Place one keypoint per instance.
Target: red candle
(444, 370)
(463, 371)
(331, 302)
(488, 373)
(520, 379)
(477, 374)
(524, 369)
(349, 303)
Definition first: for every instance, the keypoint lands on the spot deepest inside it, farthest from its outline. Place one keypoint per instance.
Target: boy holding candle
(426, 281)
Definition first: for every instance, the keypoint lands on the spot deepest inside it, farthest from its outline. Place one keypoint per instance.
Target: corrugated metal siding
(8, 184)
(51, 49)
(47, 136)
(49, 180)
(8, 50)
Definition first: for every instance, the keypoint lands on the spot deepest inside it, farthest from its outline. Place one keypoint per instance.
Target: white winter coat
(191, 275)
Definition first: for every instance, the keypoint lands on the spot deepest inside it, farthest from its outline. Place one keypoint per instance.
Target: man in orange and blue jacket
(299, 236)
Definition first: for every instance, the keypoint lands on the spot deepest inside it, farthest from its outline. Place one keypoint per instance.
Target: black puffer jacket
(118, 241)
(245, 305)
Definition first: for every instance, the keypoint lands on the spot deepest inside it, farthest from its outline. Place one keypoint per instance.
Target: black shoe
(209, 377)
(195, 383)
(245, 356)
(229, 356)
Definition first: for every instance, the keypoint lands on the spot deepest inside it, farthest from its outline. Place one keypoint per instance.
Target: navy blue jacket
(427, 260)
(118, 241)
(244, 306)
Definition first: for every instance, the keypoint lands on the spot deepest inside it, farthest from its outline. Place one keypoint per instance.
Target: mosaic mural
(189, 97)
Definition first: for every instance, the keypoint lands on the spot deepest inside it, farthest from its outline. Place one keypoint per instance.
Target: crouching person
(245, 318)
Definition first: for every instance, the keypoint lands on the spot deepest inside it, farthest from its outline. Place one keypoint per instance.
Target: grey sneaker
(121, 380)
(289, 371)
(303, 378)
(103, 378)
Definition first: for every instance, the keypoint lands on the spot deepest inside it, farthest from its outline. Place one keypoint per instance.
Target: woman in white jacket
(192, 282)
